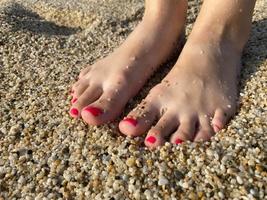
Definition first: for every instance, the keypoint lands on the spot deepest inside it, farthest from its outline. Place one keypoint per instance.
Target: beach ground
(45, 154)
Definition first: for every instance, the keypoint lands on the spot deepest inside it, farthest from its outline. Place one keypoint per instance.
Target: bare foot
(195, 100)
(104, 88)
(198, 96)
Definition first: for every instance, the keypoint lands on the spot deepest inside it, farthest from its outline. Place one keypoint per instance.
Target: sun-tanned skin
(198, 96)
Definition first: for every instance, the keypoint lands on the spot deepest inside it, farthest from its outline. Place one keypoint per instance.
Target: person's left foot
(194, 101)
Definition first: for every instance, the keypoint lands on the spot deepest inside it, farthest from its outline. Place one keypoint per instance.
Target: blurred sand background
(44, 154)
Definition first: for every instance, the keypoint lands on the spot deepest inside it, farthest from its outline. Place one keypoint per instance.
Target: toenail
(178, 141)
(74, 100)
(93, 110)
(151, 139)
(131, 121)
(74, 111)
(216, 128)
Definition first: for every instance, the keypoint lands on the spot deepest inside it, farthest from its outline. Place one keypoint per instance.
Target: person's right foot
(104, 88)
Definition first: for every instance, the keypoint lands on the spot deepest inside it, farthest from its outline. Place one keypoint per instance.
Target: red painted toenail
(178, 141)
(74, 100)
(131, 121)
(151, 139)
(74, 111)
(93, 110)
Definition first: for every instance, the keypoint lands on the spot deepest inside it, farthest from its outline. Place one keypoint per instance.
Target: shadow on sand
(21, 18)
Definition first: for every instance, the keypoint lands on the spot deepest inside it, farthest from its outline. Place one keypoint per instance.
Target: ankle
(165, 10)
(220, 34)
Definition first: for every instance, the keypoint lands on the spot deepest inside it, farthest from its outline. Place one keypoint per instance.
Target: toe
(79, 87)
(205, 131)
(74, 99)
(186, 130)
(219, 120)
(157, 134)
(139, 120)
(74, 88)
(84, 71)
(87, 97)
(105, 109)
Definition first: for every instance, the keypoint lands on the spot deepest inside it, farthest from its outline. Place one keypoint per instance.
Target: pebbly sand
(44, 154)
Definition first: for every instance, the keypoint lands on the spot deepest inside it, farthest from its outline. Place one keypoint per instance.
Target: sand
(45, 154)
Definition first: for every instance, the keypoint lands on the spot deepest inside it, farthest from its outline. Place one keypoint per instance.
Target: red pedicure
(151, 139)
(94, 110)
(74, 100)
(131, 121)
(178, 141)
(74, 111)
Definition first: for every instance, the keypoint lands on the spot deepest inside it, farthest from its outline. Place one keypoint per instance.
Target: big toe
(83, 97)
(105, 109)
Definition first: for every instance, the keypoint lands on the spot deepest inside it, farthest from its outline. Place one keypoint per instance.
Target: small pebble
(162, 180)
(239, 180)
(130, 161)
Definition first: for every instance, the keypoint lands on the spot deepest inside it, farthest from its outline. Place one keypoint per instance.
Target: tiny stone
(209, 152)
(162, 180)
(221, 195)
(239, 180)
(130, 162)
(253, 192)
(185, 185)
(148, 194)
(21, 180)
(136, 194)
(116, 185)
(251, 162)
(192, 195)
